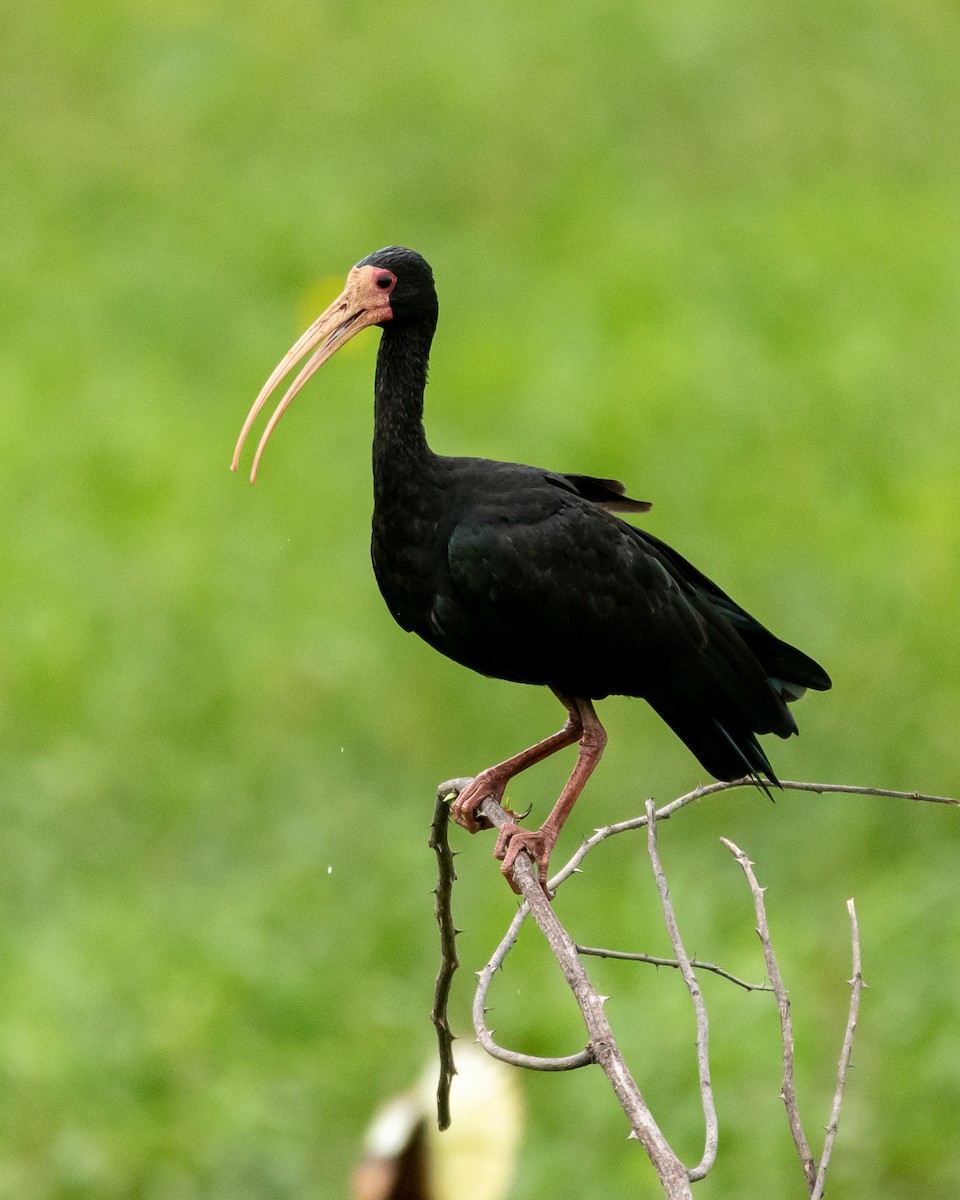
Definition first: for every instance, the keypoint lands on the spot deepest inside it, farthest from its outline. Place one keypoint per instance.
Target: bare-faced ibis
(530, 575)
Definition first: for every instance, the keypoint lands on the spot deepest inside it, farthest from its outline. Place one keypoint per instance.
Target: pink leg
(539, 843)
(492, 782)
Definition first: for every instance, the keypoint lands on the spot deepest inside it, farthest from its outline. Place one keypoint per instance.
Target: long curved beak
(360, 304)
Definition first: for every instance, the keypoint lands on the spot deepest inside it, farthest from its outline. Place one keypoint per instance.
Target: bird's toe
(512, 840)
(464, 807)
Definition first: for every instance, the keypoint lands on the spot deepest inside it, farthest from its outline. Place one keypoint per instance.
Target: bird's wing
(785, 663)
(543, 587)
(609, 494)
(545, 584)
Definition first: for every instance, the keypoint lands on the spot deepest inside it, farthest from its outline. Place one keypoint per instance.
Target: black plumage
(530, 575)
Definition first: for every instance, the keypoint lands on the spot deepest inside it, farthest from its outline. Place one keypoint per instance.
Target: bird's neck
(399, 441)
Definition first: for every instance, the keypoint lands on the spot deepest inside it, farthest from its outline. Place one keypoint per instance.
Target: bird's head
(391, 286)
(413, 296)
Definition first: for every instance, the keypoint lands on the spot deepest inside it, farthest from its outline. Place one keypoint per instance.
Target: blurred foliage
(711, 249)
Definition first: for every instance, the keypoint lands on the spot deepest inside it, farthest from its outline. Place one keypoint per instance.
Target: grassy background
(710, 249)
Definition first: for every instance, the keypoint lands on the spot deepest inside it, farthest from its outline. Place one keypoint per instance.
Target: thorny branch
(602, 1047)
(449, 962)
(712, 789)
(856, 987)
(690, 979)
(655, 961)
(815, 1177)
(787, 1089)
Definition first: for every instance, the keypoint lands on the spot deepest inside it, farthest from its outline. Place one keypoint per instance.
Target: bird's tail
(722, 749)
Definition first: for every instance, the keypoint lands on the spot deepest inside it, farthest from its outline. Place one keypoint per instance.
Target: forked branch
(602, 1047)
(787, 1087)
(814, 1175)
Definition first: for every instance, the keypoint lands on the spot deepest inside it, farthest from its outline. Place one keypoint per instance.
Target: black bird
(529, 575)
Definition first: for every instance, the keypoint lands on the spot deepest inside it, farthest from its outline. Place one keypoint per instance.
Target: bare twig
(788, 1090)
(449, 962)
(655, 961)
(856, 987)
(693, 987)
(847, 789)
(711, 789)
(672, 1173)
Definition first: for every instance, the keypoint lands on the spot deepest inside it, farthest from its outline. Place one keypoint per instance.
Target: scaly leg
(490, 784)
(540, 842)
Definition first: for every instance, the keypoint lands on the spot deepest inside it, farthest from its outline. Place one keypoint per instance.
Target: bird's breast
(408, 557)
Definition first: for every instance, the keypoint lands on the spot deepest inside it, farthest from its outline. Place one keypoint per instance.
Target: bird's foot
(537, 843)
(488, 785)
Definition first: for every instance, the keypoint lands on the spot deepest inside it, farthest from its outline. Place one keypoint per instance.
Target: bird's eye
(385, 281)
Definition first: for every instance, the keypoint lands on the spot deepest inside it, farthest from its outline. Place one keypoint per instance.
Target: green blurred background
(709, 249)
